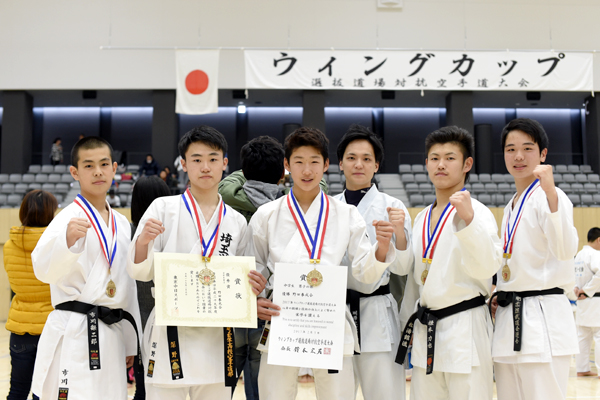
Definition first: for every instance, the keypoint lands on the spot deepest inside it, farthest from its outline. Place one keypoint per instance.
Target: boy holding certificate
(373, 307)
(307, 226)
(535, 332)
(85, 341)
(182, 361)
(457, 251)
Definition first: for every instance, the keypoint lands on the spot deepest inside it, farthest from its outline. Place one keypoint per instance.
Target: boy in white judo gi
(196, 222)
(82, 255)
(276, 237)
(457, 251)
(373, 307)
(587, 316)
(535, 332)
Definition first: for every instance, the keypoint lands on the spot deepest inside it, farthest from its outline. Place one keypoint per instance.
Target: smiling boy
(535, 332)
(189, 223)
(373, 307)
(276, 237)
(82, 256)
(457, 251)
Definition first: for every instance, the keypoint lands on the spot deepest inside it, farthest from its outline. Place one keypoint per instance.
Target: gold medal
(424, 276)
(314, 278)
(111, 289)
(505, 273)
(206, 276)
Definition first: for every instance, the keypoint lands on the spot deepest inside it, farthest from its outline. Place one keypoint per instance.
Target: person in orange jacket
(31, 304)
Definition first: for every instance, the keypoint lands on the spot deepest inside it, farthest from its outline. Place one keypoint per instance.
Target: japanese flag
(197, 81)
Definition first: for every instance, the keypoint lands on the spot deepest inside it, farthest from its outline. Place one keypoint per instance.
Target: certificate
(309, 331)
(192, 293)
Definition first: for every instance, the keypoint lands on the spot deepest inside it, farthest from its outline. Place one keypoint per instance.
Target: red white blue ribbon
(192, 207)
(93, 218)
(314, 244)
(509, 234)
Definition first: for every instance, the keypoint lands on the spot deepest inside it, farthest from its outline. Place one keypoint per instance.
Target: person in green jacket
(246, 190)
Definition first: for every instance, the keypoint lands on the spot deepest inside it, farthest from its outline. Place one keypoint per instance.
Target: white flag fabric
(197, 81)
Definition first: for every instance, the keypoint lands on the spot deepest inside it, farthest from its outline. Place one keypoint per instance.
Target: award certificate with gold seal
(192, 292)
(309, 331)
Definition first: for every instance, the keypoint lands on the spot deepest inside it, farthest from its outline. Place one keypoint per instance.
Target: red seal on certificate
(206, 276)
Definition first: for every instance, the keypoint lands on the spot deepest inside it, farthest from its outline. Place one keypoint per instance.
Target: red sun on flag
(196, 82)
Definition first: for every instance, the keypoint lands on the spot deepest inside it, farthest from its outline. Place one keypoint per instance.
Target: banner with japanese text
(418, 70)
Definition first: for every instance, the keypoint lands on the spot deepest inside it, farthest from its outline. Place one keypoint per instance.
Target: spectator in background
(149, 167)
(182, 176)
(56, 153)
(145, 190)
(32, 303)
(112, 198)
(169, 179)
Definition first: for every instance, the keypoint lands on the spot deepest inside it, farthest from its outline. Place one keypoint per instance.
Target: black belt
(353, 300)
(516, 299)
(429, 318)
(104, 314)
(229, 355)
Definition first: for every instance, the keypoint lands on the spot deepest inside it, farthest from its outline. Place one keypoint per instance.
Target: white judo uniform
(201, 349)
(543, 249)
(587, 316)
(276, 239)
(80, 273)
(464, 262)
(376, 371)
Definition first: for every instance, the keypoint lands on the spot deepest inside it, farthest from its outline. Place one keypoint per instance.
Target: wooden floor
(579, 388)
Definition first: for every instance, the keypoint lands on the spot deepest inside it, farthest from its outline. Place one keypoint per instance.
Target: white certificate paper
(183, 300)
(309, 332)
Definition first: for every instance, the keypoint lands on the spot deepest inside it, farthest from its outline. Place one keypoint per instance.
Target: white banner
(197, 73)
(418, 70)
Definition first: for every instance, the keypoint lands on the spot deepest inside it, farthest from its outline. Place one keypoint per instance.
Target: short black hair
(88, 143)
(531, 128)
(456, 135)
(145, 191)
(593, 234)
(305, 136)
(203, 134)
(262, 159)
(359, 132)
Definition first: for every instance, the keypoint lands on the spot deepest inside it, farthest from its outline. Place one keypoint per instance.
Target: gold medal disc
(314, 278)
(111, 289)
(505, 273)
(424, 276)
(206, 276)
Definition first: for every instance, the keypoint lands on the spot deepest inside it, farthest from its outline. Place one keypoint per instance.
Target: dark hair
(359, 132)
(145, 191)
(37, 209)
(306, 136)
(455, 135)
(56, 140)
(88, 143)
(593, 234)
(150, 155)
(531, 128)
(203, 134)
(262, 159)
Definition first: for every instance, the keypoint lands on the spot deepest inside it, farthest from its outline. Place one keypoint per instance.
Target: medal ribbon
(297, 213)
(187, 200)
(87, 209)
(429, 238)
(509, 234)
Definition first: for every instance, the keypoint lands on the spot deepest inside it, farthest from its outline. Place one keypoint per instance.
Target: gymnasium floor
(579, 388)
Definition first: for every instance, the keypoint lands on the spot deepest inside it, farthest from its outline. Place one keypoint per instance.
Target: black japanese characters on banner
(418, 70)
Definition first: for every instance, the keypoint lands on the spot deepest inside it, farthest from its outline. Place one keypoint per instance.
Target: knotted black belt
(516, 299)
(353, 300)
(108, 316)
(429, 318)
(228, 349)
